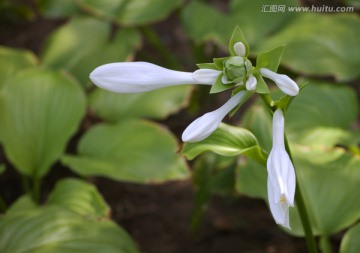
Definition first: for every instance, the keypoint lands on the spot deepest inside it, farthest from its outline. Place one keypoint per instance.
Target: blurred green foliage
(45, 98)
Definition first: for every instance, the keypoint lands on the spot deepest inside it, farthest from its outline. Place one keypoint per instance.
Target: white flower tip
(285, 83)
(206, 76)
(251, 83)
(224, 80)
(202, 127)
(240, 49)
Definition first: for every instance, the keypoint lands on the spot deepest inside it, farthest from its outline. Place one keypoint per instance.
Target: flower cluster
(235, 71)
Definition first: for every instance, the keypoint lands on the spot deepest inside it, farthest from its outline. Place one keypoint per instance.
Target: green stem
(156, 42)
(309, 236)
(36, 189)
(25, 184)
(325, 244)
(3, 205)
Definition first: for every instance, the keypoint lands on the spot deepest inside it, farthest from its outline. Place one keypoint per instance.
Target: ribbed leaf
(132, 150)
(228, 141)
(39, 111)
(57, 230)
(80, 197)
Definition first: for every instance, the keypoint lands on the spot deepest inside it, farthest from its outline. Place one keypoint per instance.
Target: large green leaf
(131, 12)
(132, 150)
(329, 48)
(258, 120)
(251, 179)
(227, 141)
(318, 119)
(80, 197)
(329, 180)
(255, 22)
(57, 230)
(12, 61)
(321, 114)
(351, 240)
(156, 104)
(82, 44)
(321, 105)
(39, 111)
(57, 9)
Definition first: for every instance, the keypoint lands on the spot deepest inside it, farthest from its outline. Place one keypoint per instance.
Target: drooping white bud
(204, 126)
(285, 83)
(281, 174)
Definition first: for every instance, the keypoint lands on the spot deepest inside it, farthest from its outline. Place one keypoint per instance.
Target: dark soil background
(157, 216)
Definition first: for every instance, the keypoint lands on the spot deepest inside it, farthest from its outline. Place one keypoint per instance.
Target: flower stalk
(303, 213)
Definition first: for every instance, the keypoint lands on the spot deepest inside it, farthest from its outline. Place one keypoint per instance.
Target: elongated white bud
(281, 174)
(285, 83)
(133, 77)
(204, 126)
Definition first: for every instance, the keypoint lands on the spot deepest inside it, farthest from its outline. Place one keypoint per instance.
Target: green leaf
(227, 141)
(207, 66)
(212, 174)
(156, 104)
(23, 203)
(329, 181)
(255, 24)
(237, 36)
(133, 150)
(261, 86)
(39, 111)
(321, 104)
(218, 86)
(310, 118)
(270, 59)
(219, 62)
(285, 100)
(83, 44)
(251, 179)
(131, 13)
(2, 168)
(57, 9)
(257, 120)
(12, 61)
(80, 197)
(57, 230)
(328, 178)
(329, 48)
(351, 240)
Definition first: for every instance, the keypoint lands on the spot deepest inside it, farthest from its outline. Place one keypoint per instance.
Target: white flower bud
(285, 83)
(281, 174)
(240, 49)
(204, 126)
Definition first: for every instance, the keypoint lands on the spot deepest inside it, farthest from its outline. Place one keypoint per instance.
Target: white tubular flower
(281, 174)
(285, 83)
(251, 83)
(133, 77)
(202, 127)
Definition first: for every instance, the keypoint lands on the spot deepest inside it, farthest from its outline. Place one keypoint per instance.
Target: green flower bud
(236, 68)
